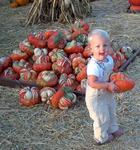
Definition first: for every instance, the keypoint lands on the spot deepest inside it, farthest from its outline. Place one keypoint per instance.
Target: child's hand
(112, 87)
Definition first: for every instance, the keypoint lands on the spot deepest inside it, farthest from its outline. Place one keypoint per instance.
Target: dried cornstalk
(57, 10)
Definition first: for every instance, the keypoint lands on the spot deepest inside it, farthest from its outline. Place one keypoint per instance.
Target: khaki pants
(102, 109)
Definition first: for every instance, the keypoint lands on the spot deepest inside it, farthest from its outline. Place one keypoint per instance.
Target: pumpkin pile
(54, 60)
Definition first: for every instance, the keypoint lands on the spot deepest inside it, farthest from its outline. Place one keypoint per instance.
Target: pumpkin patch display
(46, 93)
(122, 81)
(57, 62)
(47, 78)
(29, 96)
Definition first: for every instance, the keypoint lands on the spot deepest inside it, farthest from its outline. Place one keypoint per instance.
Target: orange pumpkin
(13, 4)
(122, 81)
(82, 74)
(54, 101)
(22, 2)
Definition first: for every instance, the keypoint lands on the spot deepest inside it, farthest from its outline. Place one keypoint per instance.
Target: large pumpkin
(122, 81)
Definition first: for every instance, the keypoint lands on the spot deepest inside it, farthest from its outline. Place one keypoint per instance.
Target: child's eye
(97, 46)
(105, 45)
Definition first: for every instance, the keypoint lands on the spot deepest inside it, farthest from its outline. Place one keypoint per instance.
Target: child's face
(100, 47)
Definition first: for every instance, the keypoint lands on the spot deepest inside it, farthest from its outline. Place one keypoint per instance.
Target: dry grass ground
(41, 128)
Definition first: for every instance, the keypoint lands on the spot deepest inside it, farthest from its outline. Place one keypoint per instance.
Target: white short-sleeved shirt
(100, 69)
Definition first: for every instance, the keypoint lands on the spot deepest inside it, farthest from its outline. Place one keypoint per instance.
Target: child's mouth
(102, 54)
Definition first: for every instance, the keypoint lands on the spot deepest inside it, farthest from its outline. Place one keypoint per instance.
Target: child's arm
(94, 83)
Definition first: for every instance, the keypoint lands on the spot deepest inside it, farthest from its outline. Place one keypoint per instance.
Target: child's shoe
(110, 139)
(118, 133)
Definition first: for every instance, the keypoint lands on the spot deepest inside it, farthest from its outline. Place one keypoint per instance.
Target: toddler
(99, 91)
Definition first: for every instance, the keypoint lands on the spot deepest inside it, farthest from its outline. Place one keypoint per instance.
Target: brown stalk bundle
(57, 10)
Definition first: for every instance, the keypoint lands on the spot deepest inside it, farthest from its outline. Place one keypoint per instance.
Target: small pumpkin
(18, 65)
(73, 47)
(56, 54)
(67, 100)
(22, 2)
(9, 73)
(28, 75)
(5, 62)
(18, 55)
(14, 4)
(122, 81)
(54, 101)
(82, 74)
(36, 41)
(78, 60)
(26, 47)
(67, 80)
(57, 40)
(62, 66)
(42, 63)
(47, 78)
(46, 93)
(87, 52)
(39, 52)
(29, 96)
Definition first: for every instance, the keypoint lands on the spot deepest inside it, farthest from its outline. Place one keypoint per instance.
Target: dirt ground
(41, 128)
